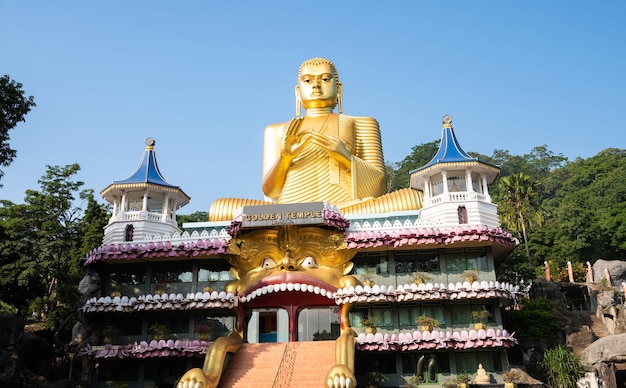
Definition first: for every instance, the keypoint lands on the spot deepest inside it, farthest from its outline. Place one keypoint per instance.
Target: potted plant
(203, 331)
(480, 318)
(421, 277)
(370, 325)
(449, 383)
(462, 380)
(413, 381)
(470, 276)
(110, 334)
(161, 286)
(427, 323)
(374, 378)
(158, 331)
(510, 378)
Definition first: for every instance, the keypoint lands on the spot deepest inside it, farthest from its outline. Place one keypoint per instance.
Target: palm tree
(518, 205)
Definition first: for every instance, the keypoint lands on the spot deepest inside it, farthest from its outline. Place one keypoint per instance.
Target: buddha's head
(318, 84)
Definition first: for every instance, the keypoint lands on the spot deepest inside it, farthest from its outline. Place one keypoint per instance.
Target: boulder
(616, 268)
(609, 349)
(11, 329)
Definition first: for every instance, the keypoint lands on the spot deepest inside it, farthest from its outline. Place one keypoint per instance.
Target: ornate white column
(165, 207)
(483, 179)
(468, 181)
(426, 188)
(144, 206)
(444, 176)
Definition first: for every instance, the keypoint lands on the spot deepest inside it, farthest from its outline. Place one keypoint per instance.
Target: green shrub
(561, 367)
(537, 319)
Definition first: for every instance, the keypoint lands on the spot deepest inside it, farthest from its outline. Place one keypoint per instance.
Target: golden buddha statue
(323, 156)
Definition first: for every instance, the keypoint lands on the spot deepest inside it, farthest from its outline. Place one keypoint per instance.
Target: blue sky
(205, 78)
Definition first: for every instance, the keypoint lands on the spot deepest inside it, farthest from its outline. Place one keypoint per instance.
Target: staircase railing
(285, 370)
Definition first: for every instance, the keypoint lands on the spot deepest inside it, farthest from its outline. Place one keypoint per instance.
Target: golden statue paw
(340, 376)
(194, 378)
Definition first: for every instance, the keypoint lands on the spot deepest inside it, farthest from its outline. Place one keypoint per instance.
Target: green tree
(419, 156)
(536, 319)
(518, 206)
(193, 217)
(14, 105)
(41, 244)
(587, 208)
(92, 224)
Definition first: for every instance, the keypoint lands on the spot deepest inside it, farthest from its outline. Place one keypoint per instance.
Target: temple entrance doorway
(318, 324)
(268, 325)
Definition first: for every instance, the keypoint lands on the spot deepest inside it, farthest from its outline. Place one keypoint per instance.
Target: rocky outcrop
(611, 348)
(616, 269)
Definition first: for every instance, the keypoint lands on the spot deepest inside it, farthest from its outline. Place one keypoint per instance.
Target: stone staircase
(280, 365)
(585, 328)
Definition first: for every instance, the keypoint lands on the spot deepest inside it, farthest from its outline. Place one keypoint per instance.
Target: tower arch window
(462, 212)
(129, 233)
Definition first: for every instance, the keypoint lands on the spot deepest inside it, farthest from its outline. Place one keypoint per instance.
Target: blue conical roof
(148, 175)
(148, 169)
(450, 151)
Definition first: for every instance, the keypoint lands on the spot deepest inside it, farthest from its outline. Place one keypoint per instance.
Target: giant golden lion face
(290, 259)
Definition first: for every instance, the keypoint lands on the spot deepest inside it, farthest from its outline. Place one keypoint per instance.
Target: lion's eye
(268, 264)
(309, 262)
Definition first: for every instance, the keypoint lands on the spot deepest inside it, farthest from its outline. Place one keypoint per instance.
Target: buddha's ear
(298, 102)
(339, 97)
(347, 267)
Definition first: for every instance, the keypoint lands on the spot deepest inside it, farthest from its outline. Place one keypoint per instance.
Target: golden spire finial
(447, 121)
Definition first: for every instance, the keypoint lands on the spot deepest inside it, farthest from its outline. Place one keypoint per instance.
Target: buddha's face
(317, 86)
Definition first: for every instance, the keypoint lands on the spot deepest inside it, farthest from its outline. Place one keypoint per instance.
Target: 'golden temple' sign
(311, 213)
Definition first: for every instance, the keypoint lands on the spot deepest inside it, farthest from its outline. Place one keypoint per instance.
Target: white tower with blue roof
(144, 204)
(455, 185)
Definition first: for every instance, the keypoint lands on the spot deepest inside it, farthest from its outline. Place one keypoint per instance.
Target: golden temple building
(327, 281)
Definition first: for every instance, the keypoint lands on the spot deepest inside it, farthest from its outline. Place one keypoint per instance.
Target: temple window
(407, 262)
(129, 232)
(126, 280)
(408, 315)
(456, 182)
(176, 323)
(135, 203)
(462, 212)
(155, 202)
(467, 362)
(459, 260)
(461, 314)
(171, 278)
(437, 185)
(382, 316)
(384, 362)
(214, 275)
(374, 263)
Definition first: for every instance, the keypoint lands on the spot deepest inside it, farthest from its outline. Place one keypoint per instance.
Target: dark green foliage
(94, 220)
(419, 156)
(41, 243)
(537, 319)
(193, 217)
(14, 106)
(587, 210)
